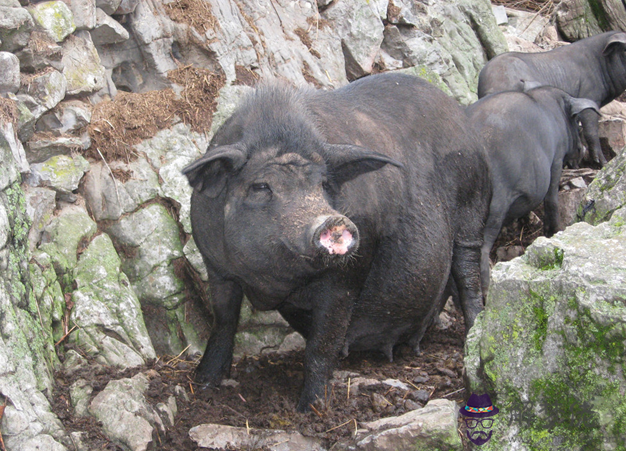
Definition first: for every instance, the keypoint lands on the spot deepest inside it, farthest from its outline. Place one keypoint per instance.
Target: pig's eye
(329, 187)
(259, 187)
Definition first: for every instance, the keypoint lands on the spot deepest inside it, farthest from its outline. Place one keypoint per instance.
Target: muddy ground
(268, 388)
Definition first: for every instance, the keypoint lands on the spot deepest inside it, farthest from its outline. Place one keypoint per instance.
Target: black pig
(527, 136)
(347, 211)
(592, 68)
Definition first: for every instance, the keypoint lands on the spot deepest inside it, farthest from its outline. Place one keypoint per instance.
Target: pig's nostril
(336, 240)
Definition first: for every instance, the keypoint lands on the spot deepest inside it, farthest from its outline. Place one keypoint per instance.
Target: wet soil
(265, 390)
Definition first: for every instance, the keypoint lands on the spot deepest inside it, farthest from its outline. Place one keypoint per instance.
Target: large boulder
(579, 19)
(550, 346)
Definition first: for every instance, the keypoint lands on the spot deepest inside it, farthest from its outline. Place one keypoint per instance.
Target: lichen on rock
(550, 346)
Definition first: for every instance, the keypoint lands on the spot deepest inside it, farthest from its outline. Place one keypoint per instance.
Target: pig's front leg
(226, 300)
(330, 320)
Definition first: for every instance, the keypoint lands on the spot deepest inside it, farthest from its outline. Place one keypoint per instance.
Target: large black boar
(527, 136)
(347, 211)
(592, 68)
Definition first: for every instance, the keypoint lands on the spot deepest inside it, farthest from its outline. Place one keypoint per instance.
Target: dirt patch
(198, 100)
(195, 13)
(8, 111)
(117, 125)
(306, 40)
(245, 76)
(266, 390)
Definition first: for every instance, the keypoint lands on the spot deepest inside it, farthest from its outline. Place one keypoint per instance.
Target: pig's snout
(335, 235)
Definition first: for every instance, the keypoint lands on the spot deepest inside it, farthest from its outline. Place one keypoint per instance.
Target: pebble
(409, 404)
(421, 396)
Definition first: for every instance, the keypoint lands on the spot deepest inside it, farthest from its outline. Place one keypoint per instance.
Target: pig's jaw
(337, 240)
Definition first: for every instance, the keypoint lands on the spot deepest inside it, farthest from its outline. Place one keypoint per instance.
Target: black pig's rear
(347, 211)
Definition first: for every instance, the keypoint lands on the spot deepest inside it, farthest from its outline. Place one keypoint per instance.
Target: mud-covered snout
(334, 235)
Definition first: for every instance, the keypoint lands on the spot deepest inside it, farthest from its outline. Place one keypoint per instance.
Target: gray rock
(576, 19)
(48, 88)
(612, 133)
(150, 238)
(84, 13)
(16, 24)
(526, 25)
(558, 312)
(26, 351)
(9, 172)
(569, 201)
(499, 12)
(168, 411)
(229, 41)
(9, 141)
(80, 393)
(153, 234)
(54, 17)
(127, 6)
(40, 205)
(62, 236)
(607, 192)
(289, 40)
(107, 30)
(82, 66)
(292, 342)
(108, 6)
(112, 328)
(9, 73)
(431, 427)
(40, 53)
(43, 146)
(79, 440)
(29, 110)
(192, 253)
(69, 116)
(127, 418)
(170, 151)
(108, 197)
(41, 442)
(62, 173)
(220, 436)
(361, 30)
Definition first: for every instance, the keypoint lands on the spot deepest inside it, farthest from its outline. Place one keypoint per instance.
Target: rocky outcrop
(550, 345)
(579, 19)
(607, 192)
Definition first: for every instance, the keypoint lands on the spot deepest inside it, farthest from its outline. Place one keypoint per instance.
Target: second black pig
(527, 136)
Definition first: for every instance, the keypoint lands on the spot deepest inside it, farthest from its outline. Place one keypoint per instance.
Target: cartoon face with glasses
(477, 415)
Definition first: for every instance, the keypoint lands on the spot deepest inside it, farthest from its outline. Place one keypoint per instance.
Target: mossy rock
(550, 346)
(607, 192)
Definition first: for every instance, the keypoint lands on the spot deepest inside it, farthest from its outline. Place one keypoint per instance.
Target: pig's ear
(577, 105)
(615, 42)
(346, 161)
(209, 173)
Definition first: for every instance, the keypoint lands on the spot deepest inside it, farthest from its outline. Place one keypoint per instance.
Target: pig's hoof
(207, 381)
(309, 403)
